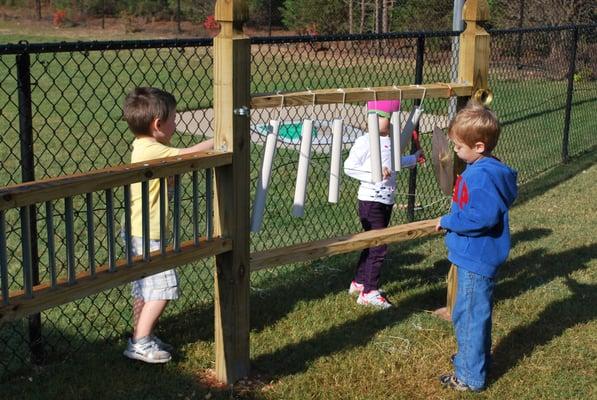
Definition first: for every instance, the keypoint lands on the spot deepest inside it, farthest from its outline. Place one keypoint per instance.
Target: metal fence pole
(457, 25)
(569, 94)
(412, 178)
(28, 174)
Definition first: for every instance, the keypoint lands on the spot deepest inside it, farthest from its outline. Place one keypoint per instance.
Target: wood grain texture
(343, 244)
(45, 297)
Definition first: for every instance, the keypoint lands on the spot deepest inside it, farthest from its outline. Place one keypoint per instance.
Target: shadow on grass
(555, 176)
(314, 282)
(529, 272)
(296, 358)
(99, 371)
(533, 270)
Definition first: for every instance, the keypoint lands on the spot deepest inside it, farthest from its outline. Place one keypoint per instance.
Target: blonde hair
(475, 123)
(143, 105)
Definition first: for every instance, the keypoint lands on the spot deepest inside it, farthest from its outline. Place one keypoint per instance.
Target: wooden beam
(232, 99)
(473, 62)
(343, 244)
(45, 297)
(70, 185)
(473, 66)
(355, 95)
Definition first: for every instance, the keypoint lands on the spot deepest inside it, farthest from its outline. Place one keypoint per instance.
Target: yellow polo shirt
(144, 149)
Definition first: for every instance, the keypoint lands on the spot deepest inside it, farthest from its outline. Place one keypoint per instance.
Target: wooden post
(232, 99)
(473, 60)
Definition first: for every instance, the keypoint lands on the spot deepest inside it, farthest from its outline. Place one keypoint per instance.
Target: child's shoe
(162, 345)
(147, 350)
(374, 298)
(355, 288)
(450, 381)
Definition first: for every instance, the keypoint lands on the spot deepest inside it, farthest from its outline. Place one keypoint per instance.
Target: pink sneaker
(355, 288)
(373, 298)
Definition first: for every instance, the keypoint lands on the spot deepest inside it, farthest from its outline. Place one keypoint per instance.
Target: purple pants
(373, 215)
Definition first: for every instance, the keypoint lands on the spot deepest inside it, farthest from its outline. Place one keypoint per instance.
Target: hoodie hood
(503, 177)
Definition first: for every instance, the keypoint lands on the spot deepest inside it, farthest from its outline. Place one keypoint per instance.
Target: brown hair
(143, 105)
(475, 123)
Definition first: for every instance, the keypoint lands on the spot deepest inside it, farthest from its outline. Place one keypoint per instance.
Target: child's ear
(155, 124)
(480, 147)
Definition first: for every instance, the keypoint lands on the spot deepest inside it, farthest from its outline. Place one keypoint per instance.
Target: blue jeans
(472, 326)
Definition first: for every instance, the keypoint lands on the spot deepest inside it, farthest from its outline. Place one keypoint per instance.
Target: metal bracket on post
(242, 111)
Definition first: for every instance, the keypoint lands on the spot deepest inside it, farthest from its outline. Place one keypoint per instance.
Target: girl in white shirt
(375, 201)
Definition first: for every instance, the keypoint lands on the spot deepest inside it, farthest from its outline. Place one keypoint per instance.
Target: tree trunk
(350, 17)
(38, 9)
(378, 15)
(385, 16)
(362, 26)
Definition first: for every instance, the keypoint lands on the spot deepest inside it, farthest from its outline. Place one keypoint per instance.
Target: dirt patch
(245, 388)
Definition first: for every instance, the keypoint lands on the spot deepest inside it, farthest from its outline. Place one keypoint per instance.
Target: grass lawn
(309, 339)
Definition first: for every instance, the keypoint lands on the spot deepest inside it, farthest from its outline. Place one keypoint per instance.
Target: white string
(281, 105)
(312, 104)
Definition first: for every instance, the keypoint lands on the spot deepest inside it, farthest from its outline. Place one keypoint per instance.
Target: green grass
(83, 122)
(310, 340)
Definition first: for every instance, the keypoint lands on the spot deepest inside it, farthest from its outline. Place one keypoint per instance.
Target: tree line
(328, 16)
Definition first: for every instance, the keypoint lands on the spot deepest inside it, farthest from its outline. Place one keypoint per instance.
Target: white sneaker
(374, 298)
(146, 350)
(355, 288)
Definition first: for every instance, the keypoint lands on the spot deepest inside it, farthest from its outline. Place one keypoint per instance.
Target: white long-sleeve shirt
(358, 166)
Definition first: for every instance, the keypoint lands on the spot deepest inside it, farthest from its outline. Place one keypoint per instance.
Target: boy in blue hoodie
(478, 240)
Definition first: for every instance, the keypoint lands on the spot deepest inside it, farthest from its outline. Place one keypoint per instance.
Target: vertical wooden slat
(195, 219)
(163, 225)
(50, 243)
(110, 230)
(3, 259)
(145, 218)
(26, 246)
(209, 208)
(90, 233)
(128, 242)
(176, 214)
(70, 240)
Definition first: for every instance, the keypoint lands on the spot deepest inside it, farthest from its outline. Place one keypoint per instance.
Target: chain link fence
(60, 113)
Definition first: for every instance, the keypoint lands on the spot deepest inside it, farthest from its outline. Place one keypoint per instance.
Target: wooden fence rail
(93, 279)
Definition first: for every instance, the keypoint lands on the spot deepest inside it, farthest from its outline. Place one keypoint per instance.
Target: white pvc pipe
(409, 128)
(374, 147)
(269, 151)
(300, 189)
(396, 149)
(334, 188)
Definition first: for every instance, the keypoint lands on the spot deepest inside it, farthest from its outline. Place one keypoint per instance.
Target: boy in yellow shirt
(150, 114)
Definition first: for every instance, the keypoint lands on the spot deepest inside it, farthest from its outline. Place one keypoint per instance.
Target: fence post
(27, 175)
(569, 94)
(412, 177)
(232, 66)
(473, 60)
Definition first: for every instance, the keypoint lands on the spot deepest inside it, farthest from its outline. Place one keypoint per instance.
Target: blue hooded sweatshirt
(478, 230)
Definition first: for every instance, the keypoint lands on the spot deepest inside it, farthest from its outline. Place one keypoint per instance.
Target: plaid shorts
(160, 286)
